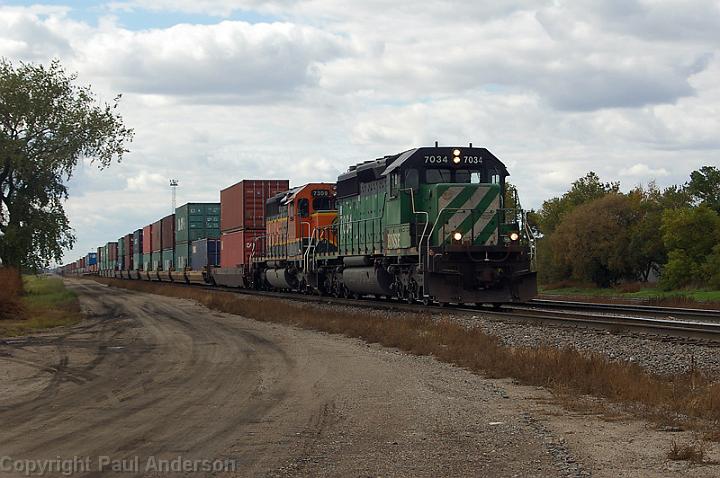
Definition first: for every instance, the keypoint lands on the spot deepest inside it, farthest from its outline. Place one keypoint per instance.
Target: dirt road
(147, 378)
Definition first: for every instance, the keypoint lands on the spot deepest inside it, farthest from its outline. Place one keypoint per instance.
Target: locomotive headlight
(457, 236)
(514, 236)
(456, 152)
(456, 159)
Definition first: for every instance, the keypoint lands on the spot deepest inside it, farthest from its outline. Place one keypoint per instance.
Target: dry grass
(692, 452)
(690, 398)
(11, 290)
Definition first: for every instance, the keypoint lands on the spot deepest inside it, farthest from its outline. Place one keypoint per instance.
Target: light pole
(173, 187)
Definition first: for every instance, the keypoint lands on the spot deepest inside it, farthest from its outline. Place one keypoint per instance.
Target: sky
(218, 91)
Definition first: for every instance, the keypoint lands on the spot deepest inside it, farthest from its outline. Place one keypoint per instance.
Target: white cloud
(641, 170)
(556, 88)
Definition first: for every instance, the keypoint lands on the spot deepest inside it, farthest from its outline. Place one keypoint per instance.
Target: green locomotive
(428, 224)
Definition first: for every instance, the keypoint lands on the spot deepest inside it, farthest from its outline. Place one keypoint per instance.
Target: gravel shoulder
(152, 376)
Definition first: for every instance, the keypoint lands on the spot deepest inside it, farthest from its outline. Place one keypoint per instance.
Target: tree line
(594, 233)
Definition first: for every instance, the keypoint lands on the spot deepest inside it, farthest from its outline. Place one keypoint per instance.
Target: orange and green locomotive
(428, 224)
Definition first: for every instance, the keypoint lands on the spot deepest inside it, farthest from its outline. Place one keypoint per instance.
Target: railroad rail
(645, 310)
(535, 312)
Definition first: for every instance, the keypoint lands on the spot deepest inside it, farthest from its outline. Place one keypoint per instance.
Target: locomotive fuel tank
(367, 280)
(281, 278)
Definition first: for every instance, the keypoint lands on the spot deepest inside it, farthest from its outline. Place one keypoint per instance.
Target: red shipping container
(168, 232)
(157, 244)
(112, 255)
(128, 262)
(242, 205)
(237, 247)
(128, 246)
(147, 241)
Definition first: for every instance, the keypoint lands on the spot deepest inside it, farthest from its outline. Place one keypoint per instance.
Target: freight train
(429, 224)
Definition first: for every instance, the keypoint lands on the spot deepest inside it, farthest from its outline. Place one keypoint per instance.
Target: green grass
(630, 291)
(46, 304)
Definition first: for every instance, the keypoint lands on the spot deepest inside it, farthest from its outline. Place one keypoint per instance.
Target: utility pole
(173, 187)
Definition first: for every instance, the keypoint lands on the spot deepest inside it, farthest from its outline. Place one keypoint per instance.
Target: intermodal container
(127, 259)
(147, 261)
(91, 259)
(196, 221)
(147, 242)
(112, 255)
(129, 243)
(99, 257)
(237, 247)
(168, 232)
(205, 253)
(182, 256)
(168, 260)
(157, 236)
(242, 205)
(121, 248)
(137, 241)
(156, 261)
(137, 261)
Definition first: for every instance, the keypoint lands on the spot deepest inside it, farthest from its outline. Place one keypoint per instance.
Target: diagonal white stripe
(484, 219)
(466, 209)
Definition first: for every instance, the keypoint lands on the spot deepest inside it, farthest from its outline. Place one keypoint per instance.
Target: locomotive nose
(466, 214)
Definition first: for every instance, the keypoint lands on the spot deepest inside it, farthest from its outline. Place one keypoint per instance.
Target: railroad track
(576, 314)
(644, 310)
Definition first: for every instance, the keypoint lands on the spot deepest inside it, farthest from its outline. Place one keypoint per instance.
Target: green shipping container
(156, 261)
(121, 254)
(147, 262)
(182, 256)
(138, 261)
(168, 259)
(195, 221)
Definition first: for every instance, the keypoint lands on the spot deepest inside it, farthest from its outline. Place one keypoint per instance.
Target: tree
(593, 240)
(583, 190)
(704, 186)
(690, 236)
(47, 124)
(552, 214)
(647, 249)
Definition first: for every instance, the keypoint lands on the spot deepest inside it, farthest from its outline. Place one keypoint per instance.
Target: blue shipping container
(205, 253)
(91, 259)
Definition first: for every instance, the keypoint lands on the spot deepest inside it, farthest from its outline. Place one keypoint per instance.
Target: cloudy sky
(223, 90)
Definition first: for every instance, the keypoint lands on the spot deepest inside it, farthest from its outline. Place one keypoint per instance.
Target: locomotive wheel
(426, 301)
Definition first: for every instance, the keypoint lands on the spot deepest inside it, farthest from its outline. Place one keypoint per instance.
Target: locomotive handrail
(252, 253)
(421, 260)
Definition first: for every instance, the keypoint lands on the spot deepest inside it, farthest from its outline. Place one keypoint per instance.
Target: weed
(692, 452)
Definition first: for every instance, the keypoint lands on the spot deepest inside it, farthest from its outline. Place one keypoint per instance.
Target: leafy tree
(712, 268)
(47, 124)
(704, 186)
(593, 240)
(647, 249)
(690, 235)
(583, 190)
(552, 214)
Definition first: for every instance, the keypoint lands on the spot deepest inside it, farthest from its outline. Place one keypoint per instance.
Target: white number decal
(472, 159)
(436, 159)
